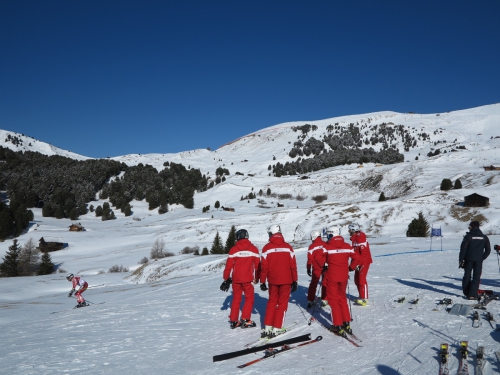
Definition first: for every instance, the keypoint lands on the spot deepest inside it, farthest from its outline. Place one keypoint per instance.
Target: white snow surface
(170, 316)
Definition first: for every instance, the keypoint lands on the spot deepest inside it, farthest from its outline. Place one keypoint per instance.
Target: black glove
(309, 272)
(225, 285)
(358, 268)
(71, 294)
(461, 264)
(325, 267)
(263, 287)
(294, 286)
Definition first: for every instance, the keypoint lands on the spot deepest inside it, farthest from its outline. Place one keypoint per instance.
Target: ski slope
(170, 316)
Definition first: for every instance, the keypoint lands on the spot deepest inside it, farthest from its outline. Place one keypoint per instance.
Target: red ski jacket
(316, 255)
(362, 247)
(78, 281)
(278, 263)
(243, 261)
(339, 253)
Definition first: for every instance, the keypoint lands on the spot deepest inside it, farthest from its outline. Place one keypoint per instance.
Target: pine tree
(98, 211)
(419, 227)
(217, 246)
(128, 210)
(381, 198)
(10, 265)
(47, 210)
(231, 239)
(204, 251)
(268, 191)
(6, 223)
(217, 204)
(46, 265)
(29, 258)
(446, 184)
(458, 184)
(59, 214)
(73, 215)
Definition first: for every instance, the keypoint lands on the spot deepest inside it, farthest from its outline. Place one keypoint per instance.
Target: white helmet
(353, 227)
(69, 277)
(315, 234)
(275, 228)
(332, 232)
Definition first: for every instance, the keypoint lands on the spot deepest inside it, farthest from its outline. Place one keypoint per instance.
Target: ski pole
(349, 293)
(318, 288)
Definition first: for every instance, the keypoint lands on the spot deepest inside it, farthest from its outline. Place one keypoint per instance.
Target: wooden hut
(476, 200)
(51, 245)
(76, 228)
(230, 209)
(492, 168)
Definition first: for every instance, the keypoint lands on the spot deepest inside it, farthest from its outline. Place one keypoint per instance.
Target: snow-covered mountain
(171, 316)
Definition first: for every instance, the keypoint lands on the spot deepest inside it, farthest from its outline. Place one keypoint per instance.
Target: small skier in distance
(82, 287)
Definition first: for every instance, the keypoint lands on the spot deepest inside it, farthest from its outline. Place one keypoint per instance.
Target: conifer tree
(73, 215)
(231, 239)
(47, 210)
(217, 246)
(10, 265)
(381, 198)
(446, 184)
(204, 251)
(46, 265)
(458, 184)
(59, 214)
(6, 223)
(217, 204)
(128, 210)
(98, 211)
(419, 227)
(29, 258)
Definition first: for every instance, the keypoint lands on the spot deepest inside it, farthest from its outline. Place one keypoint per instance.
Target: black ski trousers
(472, 277)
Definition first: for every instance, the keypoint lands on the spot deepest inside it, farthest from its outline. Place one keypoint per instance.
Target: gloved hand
(461, 264)
(358, 268)
(309, 272)
(70, 294)
(263, 287)
(294, 286)
(225, 285)
(325, 267)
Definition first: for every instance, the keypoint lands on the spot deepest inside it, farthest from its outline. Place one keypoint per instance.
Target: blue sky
(107, 78)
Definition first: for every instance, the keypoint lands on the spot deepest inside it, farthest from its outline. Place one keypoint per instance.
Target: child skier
(82, 285)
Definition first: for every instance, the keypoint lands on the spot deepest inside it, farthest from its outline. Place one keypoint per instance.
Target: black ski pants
(472, 277)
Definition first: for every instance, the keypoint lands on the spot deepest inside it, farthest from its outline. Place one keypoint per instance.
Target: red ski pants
(78, 294)
(238, 290)
(311, 293)
(277, 305)
(336, 296)
(360, 281)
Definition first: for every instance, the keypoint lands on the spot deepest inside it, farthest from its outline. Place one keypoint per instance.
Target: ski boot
(347, 328)
(310, 304)
(247, 323)
(235, 324)
(338, 330)
(324, 303)
(361, 302)
(81, 304)
(267, 333)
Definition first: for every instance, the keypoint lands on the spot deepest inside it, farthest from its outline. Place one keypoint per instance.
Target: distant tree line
(25, 261)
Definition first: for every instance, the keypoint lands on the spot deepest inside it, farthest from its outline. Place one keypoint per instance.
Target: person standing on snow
(82, 285)
(243, 262)
(279, 268)
(475, 248)
(316, 258)
(362, 248)
(336, 277)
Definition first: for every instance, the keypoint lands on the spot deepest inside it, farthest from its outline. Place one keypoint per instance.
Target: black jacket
(475, 246)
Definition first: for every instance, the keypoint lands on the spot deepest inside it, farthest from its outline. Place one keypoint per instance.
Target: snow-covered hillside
(171, 316)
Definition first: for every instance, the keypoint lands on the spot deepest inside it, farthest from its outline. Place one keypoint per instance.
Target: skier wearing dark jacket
(475, 248)
(243, 263)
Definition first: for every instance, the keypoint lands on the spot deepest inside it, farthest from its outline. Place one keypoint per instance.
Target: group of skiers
(327, 262)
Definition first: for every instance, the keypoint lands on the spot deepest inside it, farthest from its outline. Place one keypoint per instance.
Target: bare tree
(29, 258)
(157, 251)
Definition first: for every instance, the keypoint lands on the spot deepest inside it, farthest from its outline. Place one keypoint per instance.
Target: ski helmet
(275, 228)
(315, 234)
(242, 233)
(353, 227)
(70, 276)
(332, 232)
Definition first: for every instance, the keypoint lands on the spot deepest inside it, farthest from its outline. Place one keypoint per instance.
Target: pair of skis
(463, 367)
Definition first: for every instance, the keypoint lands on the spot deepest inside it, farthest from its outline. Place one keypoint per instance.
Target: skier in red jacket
(337, 275)
(77, 281)
(316, 258)
(362, 248)
(243, 262)
(279, 268)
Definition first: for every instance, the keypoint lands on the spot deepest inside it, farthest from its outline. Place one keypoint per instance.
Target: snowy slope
(170, 316)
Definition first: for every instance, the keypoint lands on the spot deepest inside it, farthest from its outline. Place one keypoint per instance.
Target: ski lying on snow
(490, 318)
(463, 368)
(271, 352)
(443, 364)
(263, 341)
(75, 308)
(351, 338)
(293, 340)
(480, 362)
